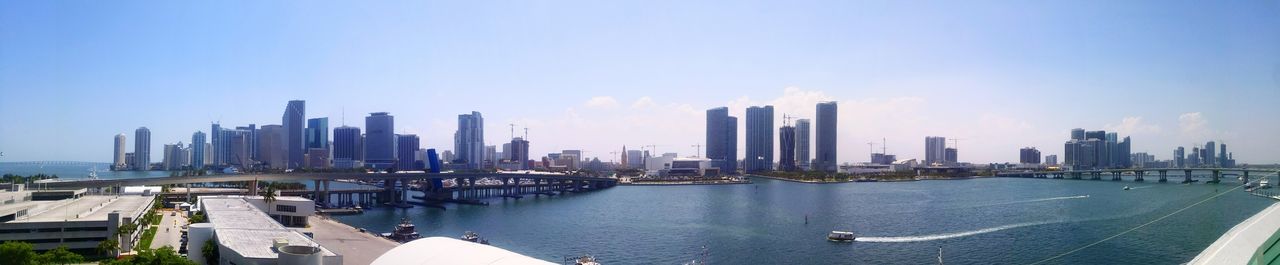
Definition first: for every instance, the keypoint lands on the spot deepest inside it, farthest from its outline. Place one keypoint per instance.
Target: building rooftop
(235, 212)
(87, 208)
(443, 250)
(259, 243)
(247, 230)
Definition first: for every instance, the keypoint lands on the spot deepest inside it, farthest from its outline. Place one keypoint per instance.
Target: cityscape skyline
(591, 89)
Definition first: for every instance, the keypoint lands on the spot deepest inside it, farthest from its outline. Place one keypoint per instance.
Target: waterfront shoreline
(918, 178)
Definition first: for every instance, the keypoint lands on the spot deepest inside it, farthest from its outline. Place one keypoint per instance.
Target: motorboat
(474, 238)
(404, 232)
(1127, 188)
(840, 236)
(1264, 184)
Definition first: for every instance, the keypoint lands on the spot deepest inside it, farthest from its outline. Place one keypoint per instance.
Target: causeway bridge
(1141, 174)
(467, 187)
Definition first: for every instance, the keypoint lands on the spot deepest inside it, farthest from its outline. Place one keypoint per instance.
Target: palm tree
(108, 247)
(269, 196)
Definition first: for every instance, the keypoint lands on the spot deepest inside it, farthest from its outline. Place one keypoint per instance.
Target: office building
(1077, 134)
(406, 149)
(1029, 155)
(759, 153)
(142, 149)
(215, 139)
(573, 157)
(935, 150)
(50, 219)
(295, 114)
(520, 153)
(379, 140)
(802, 144)
(1180, 157)
(1051, 160)
(634, 158)
(271, 145)
(787, 148)
(490, 156)
(251, 139)
(468, 140)
(198, 145)
(346, 146)
(1210, 156)
(169, 161)
(318, 158)
(952, 156)
(722, 140)
(239, 146)
(825, 143)
(317, 134)
(118, 161)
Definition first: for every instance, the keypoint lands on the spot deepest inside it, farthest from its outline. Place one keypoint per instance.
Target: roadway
(170, 232)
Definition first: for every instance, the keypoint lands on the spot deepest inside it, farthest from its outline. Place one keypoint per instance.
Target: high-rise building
(208, 154)
(215, 138)
(142, 149)
(787, 148)
(118, 159)
(802, 144)
(238, 148)
(318, 158)
(169, 161)
(952, 156)
(468, 140)
(318, 133)
(759, 146)
(379, 140)
(197, 150)
(1223, 159)
(294, 116)
(1029, 155)
(935, 150)
(573, 158)
(346, 147)
(1077, 134)
(271, 147)
(1180, 157)
(520, 152)
(825, 138)
(251, 136)
(406, 148)
(1051, 160)
(722, 140)
(1210, 158)
(490, 156)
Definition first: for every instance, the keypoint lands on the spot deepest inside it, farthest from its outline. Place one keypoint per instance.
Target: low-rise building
(246, 234)
(49, 219)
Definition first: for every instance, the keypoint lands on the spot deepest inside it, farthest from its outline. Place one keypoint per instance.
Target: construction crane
(955, 143)
(697, 150)
(513, 130)
(652, 148)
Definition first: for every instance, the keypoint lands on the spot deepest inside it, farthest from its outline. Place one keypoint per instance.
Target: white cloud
(643, 102)
(1193, 125)
(606, 102)
(1133, 126)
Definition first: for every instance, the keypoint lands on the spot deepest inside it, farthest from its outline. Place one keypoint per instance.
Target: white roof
(1238, 245)
(443, 250)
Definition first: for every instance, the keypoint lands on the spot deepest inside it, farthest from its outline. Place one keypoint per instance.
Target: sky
(598, 75)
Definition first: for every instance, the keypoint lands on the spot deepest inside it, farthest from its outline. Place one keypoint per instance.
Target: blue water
(980, 221)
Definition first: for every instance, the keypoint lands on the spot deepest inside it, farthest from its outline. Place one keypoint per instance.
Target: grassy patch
(147, 237)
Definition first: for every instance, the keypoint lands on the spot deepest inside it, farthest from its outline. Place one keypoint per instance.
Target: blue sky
(596, 75)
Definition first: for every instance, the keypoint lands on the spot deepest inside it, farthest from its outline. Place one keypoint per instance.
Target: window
(286, 208)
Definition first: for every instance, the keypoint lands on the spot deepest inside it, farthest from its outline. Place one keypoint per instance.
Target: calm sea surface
(979, 221)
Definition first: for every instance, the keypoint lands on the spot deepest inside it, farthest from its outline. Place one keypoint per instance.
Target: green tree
(59, 255)
(270, 197)
(17, 253)
(108, 247)
(163, 256)
(210, 252)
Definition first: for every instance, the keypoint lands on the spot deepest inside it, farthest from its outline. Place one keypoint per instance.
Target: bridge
(466, 188)
(1140, 174)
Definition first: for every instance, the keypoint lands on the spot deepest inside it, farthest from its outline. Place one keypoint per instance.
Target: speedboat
(840, 236)
(1127, 188)
(1264, 184)
(474, 238)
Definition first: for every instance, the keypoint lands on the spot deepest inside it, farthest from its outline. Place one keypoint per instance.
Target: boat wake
(1143, 187)
(923, 238)
(1037, 200)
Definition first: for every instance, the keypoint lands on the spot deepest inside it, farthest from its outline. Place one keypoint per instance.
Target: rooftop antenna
(526, 133)
(513, 130)
(344, 116)
(884, 146)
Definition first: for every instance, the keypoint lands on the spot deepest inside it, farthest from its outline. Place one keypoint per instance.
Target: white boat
(1127, 188)
(1264, 184)
(840, 236)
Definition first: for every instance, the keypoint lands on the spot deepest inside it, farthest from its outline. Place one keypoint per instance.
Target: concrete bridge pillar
(325, 194)
(1137, 175)
(1186, 176)
(1115, 176)
(1217, 176)
(1246, 176)
(1164, 174)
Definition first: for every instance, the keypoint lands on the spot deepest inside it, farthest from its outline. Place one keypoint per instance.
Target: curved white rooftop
(443, 250)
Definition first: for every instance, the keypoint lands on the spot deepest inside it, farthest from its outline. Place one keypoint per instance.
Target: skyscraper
(406, 147)
(346, 147)
(142, 149)
(379, 140)
(825, 144)
(197, 150)
(1223, 159)
(759, 139)
(468, 141)
(1051, 160)
(318, 133)
(1077, 134)
(520, 152)
(952, 156)
(271, 146)
(118, 159)
(787, 148)
(722, 140)
(1180, 157)
(802, 144)
(215, 133)
(295, 140)
(935, 150)
(1210, 154)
